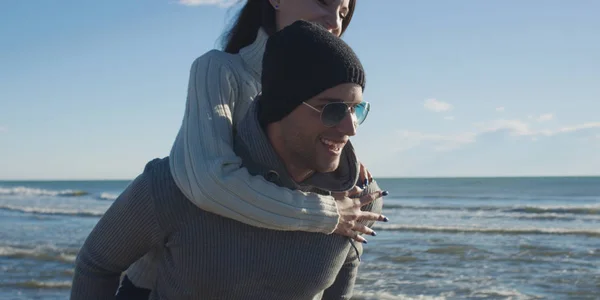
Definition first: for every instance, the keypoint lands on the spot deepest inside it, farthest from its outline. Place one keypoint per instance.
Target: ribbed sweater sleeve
(127, 231)
(209, 173)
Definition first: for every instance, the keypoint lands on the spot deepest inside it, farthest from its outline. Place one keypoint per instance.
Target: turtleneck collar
(252, 54)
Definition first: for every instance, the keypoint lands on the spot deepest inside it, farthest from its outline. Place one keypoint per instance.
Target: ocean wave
(41, 253)
(34, 284)
(558, 210)
(513, 197)
(455, 250)
(508, 231)
(462, 197)
(500, 293)
(574, 210)
(414, 207)
(25, 191)
(364, 295)
(108, 196)
(52, 211)
(539, 250)
(550, 217)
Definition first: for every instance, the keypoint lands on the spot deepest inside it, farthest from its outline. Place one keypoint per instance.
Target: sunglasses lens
(334, 113)
(361, 111)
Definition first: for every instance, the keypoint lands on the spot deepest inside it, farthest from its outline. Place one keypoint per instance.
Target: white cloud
(500, 109)
(437, 106)
(545, 117)
(520, 128)
(441, 142)
(221, 3)
(449, 118)
(542, 117)
(588, 125)
(515, 127)
(411, 139)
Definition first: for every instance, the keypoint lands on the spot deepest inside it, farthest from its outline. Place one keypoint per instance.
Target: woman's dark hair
(256, 14)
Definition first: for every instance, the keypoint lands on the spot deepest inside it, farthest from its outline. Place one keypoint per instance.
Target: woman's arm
(209, 173)
(126, 232)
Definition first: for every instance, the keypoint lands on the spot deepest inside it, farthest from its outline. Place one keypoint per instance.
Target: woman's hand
(350, 213)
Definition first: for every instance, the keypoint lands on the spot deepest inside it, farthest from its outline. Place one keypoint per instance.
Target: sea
(450, 238)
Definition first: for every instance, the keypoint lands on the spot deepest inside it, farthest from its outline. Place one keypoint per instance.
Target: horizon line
(382, 177)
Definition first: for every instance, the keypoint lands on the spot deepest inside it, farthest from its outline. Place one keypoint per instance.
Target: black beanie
(301, 61)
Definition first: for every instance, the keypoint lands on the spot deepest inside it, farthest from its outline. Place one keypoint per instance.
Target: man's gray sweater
(200, 255)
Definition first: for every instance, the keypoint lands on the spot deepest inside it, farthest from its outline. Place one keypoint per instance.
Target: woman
(221, 83)
(202, 161)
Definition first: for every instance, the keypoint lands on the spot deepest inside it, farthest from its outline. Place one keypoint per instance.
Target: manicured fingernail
(385, 219)
(374, 233)
(365, 241)
(384, 193)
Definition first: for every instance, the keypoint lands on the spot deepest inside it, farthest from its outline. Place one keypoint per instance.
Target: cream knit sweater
(204, 165)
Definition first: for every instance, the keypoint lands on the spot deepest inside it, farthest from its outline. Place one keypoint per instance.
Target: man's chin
(327, 167)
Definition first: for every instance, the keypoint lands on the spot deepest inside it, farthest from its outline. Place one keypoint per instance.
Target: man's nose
(348, 125)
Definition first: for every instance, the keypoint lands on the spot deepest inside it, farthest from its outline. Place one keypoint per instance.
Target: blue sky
(95, 89)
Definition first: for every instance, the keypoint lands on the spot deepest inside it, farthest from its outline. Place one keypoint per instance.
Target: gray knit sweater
(200, 255)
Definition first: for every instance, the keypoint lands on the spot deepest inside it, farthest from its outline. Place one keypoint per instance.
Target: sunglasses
(334, 112)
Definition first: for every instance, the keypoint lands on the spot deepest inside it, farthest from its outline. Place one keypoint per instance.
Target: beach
(448, 238)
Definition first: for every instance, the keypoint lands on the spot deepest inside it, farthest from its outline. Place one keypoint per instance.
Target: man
(296, 135)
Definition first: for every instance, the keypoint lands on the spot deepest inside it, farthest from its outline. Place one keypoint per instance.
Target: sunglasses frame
(349, 105)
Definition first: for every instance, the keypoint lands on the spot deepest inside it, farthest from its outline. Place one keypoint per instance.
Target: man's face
(308, 141)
